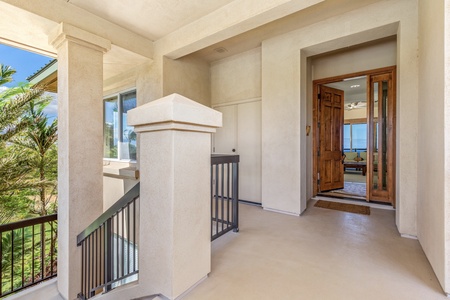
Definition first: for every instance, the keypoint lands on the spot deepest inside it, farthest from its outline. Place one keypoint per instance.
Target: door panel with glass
(381, 133)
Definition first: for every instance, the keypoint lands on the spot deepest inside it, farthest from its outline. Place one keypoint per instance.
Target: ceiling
(354, 88)
(155, 19)
(152, 19)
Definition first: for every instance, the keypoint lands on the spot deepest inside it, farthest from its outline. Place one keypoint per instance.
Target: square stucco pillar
(175, 208)
(80, 145)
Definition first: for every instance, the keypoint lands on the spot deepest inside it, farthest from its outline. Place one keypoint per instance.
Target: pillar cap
(64, 32)
(174, 109)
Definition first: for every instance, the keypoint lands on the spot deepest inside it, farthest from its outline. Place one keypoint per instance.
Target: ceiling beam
(235, 18)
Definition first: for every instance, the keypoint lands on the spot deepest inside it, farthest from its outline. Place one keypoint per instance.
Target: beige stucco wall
(284, 101)
(236, 78)
(361, 58)
(433, 134)
(188, 76)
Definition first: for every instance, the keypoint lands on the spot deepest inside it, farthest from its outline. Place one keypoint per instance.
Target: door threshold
(341, 196)
(354, 201)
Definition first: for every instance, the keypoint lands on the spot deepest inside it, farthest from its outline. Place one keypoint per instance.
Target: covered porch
(322, 254)
(326, 254)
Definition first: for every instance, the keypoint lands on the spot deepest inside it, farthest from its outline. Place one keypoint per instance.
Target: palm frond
(6, 73)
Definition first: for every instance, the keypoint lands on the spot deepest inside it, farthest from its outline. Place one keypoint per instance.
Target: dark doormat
(351, 208)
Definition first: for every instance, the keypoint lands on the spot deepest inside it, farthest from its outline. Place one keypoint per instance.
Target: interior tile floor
(323, 254)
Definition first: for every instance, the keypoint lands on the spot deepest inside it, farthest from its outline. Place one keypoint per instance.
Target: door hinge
(319, 97)
(318, 125)
(318, 152)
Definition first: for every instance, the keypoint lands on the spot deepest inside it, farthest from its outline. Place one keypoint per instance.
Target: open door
(330, 124)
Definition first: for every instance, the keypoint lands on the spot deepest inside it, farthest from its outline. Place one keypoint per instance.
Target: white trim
(236, 102)
(281, 212)
(120, 93)
(408, 236)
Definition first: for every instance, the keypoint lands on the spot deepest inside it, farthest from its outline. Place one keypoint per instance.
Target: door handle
(234, 150)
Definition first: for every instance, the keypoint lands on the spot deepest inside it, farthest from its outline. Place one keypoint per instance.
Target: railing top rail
(224, 158)
(28, 222)
(122, 202)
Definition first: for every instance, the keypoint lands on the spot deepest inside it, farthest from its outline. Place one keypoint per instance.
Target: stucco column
(175, 211)
(80, 145)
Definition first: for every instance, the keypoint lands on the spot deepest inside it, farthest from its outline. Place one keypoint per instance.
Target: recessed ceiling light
(355, 86)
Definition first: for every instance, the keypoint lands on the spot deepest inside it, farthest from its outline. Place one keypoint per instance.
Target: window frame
(119, 98)
(351, 123)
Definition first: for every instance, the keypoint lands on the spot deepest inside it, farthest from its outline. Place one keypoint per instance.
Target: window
(355, 136)
(119, 139)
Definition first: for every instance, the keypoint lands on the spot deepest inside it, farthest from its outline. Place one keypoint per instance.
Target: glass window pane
(347, 137)
(375, 136)
(110, 128)
(128, 146)
(359, 136)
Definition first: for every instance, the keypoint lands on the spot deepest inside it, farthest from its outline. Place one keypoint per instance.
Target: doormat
(351, 208)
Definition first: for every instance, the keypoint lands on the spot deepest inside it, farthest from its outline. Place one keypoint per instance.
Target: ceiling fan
(353, 105)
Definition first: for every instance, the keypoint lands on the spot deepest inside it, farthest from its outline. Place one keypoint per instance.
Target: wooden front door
(331, 122)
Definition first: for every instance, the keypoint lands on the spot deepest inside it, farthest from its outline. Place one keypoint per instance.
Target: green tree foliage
(28, 155)
(38, 144)
(13, 103)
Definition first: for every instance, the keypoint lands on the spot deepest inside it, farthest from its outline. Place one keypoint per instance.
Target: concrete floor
(323, 254)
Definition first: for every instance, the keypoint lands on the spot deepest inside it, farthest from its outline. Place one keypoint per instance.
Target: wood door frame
(387, 196)
(315, 118)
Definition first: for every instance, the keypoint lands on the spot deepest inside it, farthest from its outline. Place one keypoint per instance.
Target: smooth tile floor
(323, 254)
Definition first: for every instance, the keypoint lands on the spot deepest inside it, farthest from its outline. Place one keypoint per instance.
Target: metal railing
(109, 247)
(224, 194)
(28, 253)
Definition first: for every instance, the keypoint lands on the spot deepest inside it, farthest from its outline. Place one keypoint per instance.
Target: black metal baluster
(33, 258)
(128, 238)
(95, 256)
(236, 197)
(82, 268)
(123, 242)
(42, 250)
(89, 283)
(216, 202)
(23, 256)
(228, 194)
(108, 254)
(117, 244)
(134, 235)
(51, 248)
(222, 187)
(12, 260)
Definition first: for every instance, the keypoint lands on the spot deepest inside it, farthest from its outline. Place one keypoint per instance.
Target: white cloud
(52, 109)
(3, 88)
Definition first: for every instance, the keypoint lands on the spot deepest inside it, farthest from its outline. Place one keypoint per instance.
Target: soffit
(151, 18)
(253, 38)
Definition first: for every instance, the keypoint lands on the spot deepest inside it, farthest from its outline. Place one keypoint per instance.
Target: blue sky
(26, 63)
